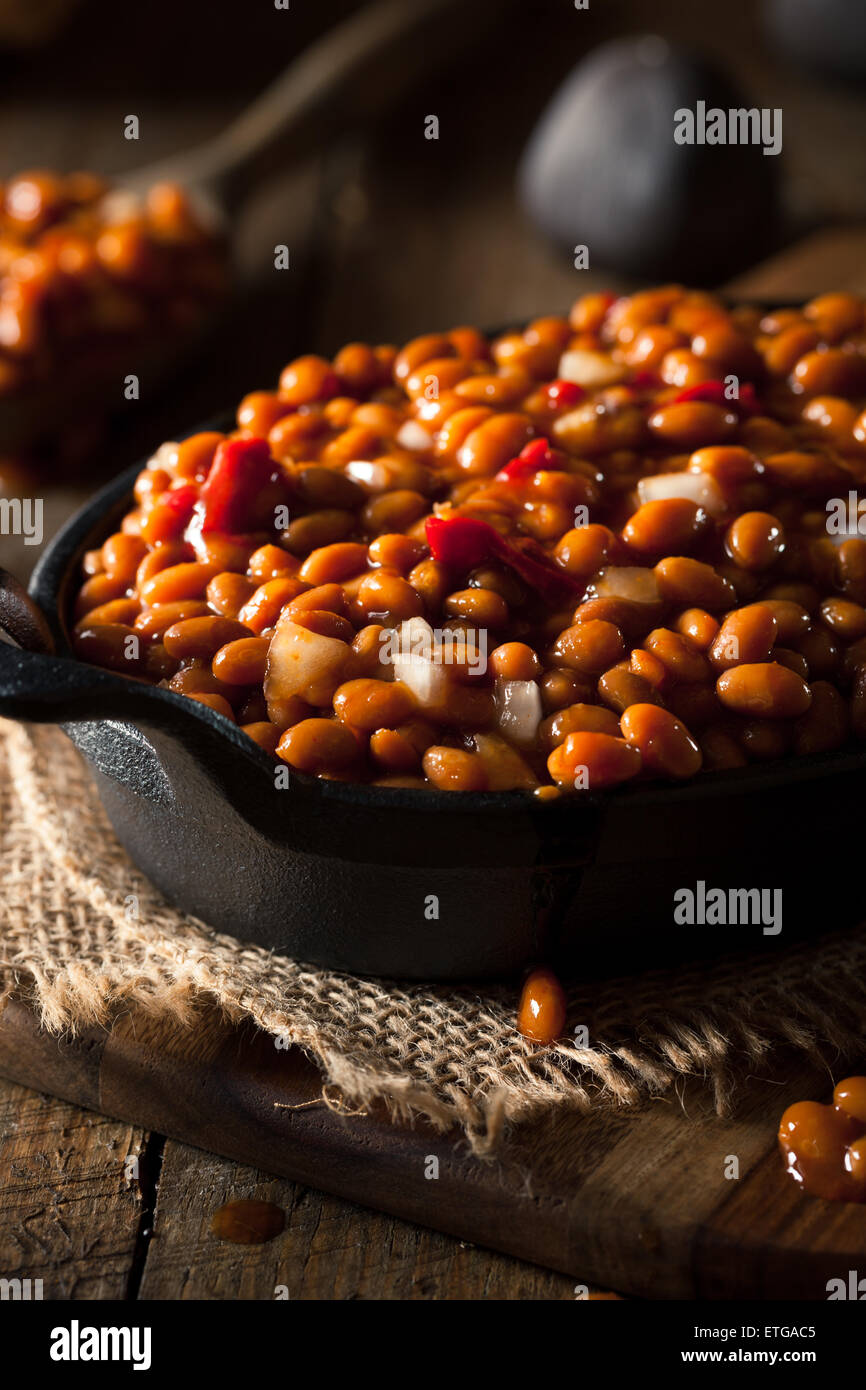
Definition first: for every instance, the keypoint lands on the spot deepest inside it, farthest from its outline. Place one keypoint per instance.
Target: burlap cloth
(82, 934)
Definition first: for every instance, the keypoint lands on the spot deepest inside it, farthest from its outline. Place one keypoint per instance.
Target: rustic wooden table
(390, 234)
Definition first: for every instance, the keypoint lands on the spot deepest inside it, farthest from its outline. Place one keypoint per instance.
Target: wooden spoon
(347, 77)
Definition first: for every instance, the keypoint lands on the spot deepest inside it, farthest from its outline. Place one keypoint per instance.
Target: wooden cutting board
(635, 1201)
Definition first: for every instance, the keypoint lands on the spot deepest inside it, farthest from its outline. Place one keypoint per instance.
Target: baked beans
(599, 550)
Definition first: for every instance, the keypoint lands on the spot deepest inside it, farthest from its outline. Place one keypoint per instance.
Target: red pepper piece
(645, 378)
(459, 541)
(464, 542)
(563, 394)
(179, 501)
(531, 564)
(714, 393)
(242, 488)
(534, 456)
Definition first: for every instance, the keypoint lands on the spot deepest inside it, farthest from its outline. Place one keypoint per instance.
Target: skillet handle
(38, 686)
(45, 689)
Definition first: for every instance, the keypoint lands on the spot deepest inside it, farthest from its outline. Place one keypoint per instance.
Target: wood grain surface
(642, 1202)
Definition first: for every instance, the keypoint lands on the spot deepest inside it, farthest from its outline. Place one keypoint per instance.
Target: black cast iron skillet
(411, 883)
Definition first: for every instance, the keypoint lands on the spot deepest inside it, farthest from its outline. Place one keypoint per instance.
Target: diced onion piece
(428, 680)
(631, 582)
(506, 769)
(412, 435)
(589, 369)
(416, 635)
(373, 476)
(305, 663)
(699, 488)
(518, 709)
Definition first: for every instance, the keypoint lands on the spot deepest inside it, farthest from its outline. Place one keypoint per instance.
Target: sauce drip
(248, 1221)
(824, 1146)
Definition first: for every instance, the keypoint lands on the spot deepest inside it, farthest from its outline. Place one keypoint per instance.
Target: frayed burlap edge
(82, 934)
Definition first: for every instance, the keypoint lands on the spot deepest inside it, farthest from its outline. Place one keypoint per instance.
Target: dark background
(390, 234)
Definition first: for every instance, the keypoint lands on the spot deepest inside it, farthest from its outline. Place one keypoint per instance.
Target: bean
(200, 636)
(699, 626)
(259, 411)
(308, 379)
(371, 704)
(271, 562)
(242, 661)
(792, 619)
(620, 687)
(454, 770)
(483, 607)
(795, 661)
(263, 733)
(821, 652)
(579, 718)
(332, 563)
(693, 423)
(755, 541)
(118, 610)
(489, 446)
(153, 622)
(227, 593)
(318, 746)
(306, 534)
(194, 456)
(114, 645)
(393, 510)
(401, 749)
(515, 661)
(172, 553)
(199, 679)
(97, 591)
(561, 687)
(746, 636)
(431, 581)
(188, 580)
(677, 655)
(846, 620)
(214, 702)
(262, 607)
(665, 745)
(327, 598)
(589, 647)
(541, 1012)
(121, 556)
(324, 488)
(764, 691)
(385, 595)
(833, 371)
(682, 580)
(664, 527)
(593, 761)
(584, 549)
(395, 551)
